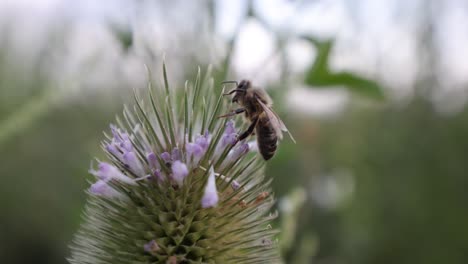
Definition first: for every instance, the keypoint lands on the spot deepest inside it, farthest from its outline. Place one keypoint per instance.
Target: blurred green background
(373, 91)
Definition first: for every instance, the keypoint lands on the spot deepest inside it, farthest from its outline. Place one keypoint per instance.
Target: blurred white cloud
(321, 103)
(254, 46)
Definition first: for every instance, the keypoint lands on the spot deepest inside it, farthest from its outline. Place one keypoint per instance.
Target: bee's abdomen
(266, 138)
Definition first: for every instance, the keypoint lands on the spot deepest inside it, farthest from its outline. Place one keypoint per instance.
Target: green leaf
(319, 74)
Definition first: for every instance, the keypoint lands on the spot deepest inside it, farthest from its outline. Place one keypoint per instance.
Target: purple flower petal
(179, 172)
(111, 148)
(230, 135)
(235, 154)
(101, 188)
(235, 185)
(230, 127)
(115, 131)
(107, 172)
(239, 151)
(176, 154)
(124, 136)
(203, 141)
(134, 163)
(158, 175)
(119, 136)
(194, 153)
(195, 150)
(152, 160)
(126, 145)
(166, 157)
(151, 247)
(210, 197)
(228, 139)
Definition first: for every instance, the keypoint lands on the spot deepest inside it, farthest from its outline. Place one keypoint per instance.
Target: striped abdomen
(266, 137)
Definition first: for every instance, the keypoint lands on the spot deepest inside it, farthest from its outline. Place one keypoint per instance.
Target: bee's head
(243, 85)
(241, 90)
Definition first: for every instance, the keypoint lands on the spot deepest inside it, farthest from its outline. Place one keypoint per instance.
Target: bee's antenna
(237, 84)
(233, 91)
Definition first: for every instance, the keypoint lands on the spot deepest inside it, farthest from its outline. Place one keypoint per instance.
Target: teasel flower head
(174, 188)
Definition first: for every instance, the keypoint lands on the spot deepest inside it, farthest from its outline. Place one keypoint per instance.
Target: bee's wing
(275, 119)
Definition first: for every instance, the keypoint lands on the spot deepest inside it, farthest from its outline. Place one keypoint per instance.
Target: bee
(256, 104)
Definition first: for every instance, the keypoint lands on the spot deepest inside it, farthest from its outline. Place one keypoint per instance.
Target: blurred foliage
(43, 177)
(410, 171)
(124, 36)
(46, 147)
(408, 166)
(319, 74)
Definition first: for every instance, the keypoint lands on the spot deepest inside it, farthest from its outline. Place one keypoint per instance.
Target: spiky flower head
(176, 188)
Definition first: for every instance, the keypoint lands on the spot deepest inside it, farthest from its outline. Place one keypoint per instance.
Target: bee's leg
(233, 112)
(248, 132)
